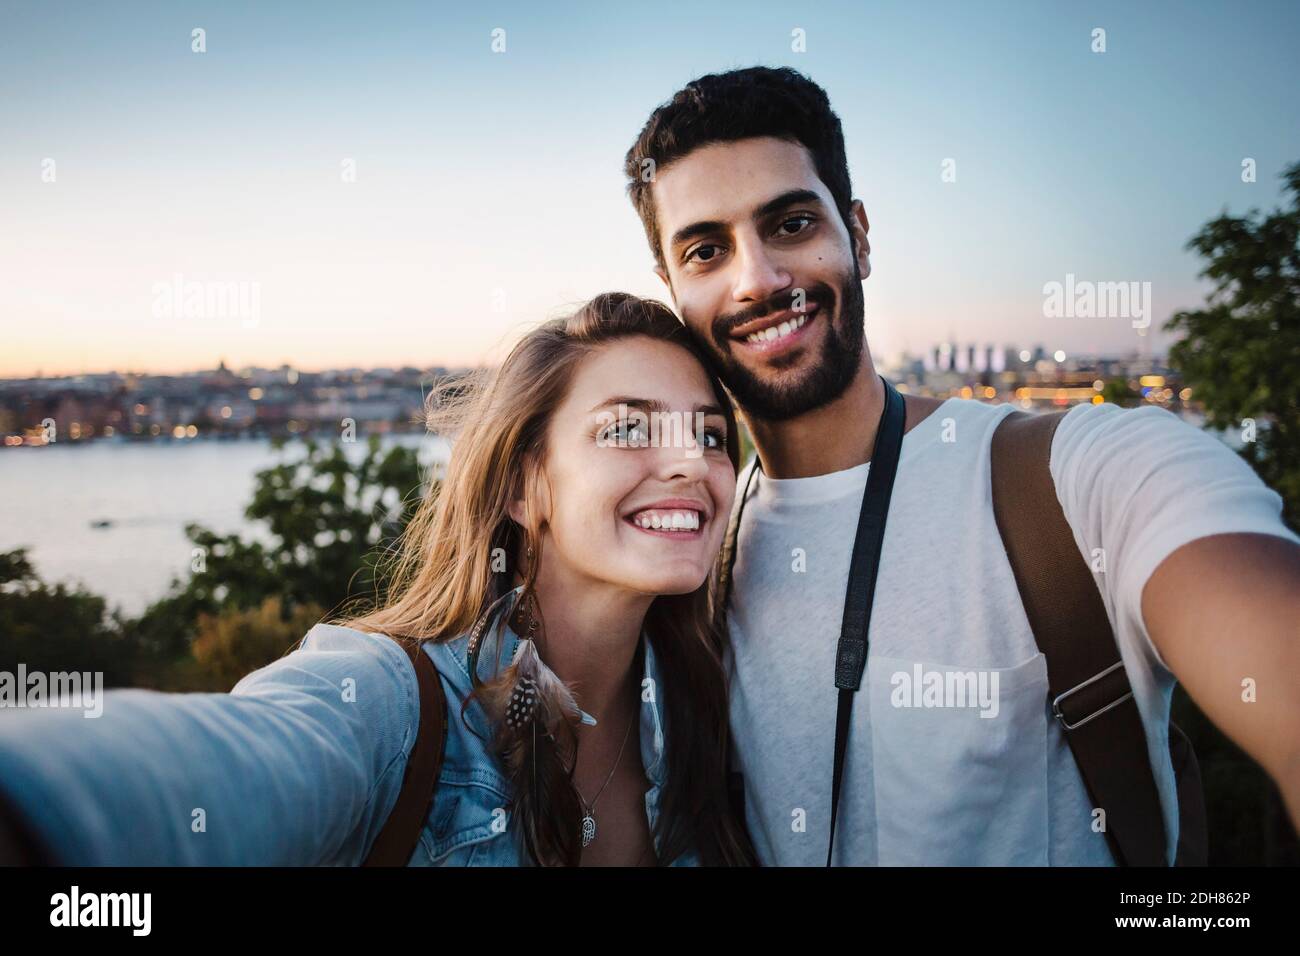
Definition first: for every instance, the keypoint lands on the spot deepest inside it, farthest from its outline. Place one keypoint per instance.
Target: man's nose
(758, 276)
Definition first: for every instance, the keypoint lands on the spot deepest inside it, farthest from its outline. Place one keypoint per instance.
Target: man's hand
(1224, 612)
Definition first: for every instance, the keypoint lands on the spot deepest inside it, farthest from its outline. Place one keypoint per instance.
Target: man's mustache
(723, 325)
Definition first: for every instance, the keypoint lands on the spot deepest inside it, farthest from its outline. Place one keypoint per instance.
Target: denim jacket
(299, 765)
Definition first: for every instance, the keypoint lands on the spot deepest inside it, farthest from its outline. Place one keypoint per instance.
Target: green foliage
(1241, 356)
(1241, 352)
(1117, 392)
(325, 523)
(54, 628)
(238, 642)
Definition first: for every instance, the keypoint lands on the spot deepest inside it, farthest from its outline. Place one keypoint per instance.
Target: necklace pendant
(588, 828)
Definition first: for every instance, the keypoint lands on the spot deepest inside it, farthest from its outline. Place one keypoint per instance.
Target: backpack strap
(1090, 691)
(727, 554)
(401, 832)
(722, 598)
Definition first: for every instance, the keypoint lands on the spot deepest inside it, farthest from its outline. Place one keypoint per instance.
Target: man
(742, 185)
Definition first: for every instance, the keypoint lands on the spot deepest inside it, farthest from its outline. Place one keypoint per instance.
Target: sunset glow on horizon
(389, 191)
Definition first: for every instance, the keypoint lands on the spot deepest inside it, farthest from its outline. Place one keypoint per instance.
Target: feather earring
(535, 718)
(530, 692)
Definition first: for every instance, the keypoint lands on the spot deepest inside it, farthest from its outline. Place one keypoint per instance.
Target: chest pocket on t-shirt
(959, 760)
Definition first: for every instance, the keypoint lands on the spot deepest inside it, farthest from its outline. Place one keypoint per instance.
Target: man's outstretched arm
(1224, 612)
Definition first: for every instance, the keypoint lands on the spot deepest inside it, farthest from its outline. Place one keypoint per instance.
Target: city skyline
(960, 349)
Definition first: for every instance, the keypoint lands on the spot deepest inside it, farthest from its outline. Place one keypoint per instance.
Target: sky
(486, 189)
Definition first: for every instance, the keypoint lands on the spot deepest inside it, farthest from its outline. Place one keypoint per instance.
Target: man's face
(764, 272)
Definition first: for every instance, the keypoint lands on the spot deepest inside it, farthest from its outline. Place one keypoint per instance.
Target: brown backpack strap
(401, 833)
(1090, 691)
(727, 555)
(722, 599)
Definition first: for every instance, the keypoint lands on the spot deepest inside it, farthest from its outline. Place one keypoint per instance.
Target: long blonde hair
(441, 581)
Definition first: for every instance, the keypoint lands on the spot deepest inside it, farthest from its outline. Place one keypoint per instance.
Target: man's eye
(704, 253)
(800, 222)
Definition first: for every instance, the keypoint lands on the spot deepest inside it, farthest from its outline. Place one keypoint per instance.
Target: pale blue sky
(489, 193)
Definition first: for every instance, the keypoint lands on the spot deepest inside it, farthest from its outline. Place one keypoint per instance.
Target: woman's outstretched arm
(298, 765)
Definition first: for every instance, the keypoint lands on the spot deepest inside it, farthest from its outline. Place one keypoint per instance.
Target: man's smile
(775, 333)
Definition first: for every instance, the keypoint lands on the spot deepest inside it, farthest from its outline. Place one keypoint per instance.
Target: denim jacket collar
(491, 664)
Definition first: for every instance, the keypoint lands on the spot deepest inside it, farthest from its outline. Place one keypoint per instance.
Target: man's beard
(831, 373)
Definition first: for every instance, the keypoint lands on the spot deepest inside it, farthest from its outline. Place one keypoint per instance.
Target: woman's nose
(683, 458)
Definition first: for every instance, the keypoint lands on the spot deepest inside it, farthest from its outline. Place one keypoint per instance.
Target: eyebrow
(707, 226)
(651, 405)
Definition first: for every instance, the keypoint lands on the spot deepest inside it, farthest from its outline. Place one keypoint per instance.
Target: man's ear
(659, 271)
(858, 228)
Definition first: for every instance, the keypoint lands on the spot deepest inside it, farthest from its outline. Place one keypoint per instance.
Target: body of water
(141, 496)
(145, 493)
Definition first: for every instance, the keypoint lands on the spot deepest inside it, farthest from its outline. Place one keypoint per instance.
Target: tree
(235, 643)
(328, 522)
(1241, 353)
(1240, 356)
(1117, 392)
(54, 628)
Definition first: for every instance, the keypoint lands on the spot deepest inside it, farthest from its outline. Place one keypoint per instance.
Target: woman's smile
(677, 519)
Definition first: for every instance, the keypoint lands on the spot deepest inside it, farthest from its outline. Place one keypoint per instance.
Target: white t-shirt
(992, 782)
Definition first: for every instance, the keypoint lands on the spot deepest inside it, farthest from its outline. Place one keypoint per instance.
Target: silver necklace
(589, 809)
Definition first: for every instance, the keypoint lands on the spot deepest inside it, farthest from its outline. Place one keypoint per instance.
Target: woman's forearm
(295, 767)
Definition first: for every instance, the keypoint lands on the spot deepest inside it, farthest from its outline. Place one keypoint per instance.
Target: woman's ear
(536, 487)
(518, 508)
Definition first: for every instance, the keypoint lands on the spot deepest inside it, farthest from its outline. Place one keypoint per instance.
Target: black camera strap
(851, 654)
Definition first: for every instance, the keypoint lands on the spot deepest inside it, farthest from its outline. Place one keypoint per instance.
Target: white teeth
(776, 331)
(669, 520)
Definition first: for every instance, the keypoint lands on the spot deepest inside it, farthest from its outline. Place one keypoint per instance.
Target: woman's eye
(715, 438)
(625, 434)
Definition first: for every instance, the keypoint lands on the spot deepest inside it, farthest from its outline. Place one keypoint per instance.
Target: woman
(581, 544)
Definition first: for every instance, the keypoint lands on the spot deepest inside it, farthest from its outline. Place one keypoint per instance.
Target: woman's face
(638, 485)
